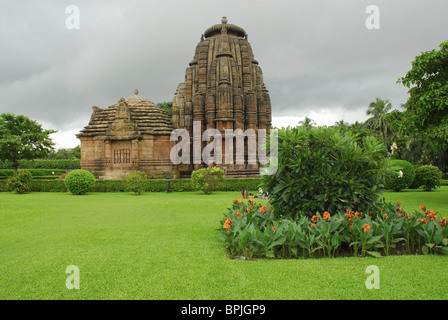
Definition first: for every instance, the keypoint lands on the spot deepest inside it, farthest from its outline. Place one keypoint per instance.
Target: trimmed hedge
(153, 185)
(428, 177)
(393, 179)
(43, 164)
(34, 172)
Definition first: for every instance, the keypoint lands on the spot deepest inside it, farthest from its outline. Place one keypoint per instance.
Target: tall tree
(308, 123)
(23, 139)
(341, 124)
(427, 105)
(378, 111)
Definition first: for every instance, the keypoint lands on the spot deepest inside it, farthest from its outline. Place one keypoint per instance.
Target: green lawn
(436, 200)
(165, 246)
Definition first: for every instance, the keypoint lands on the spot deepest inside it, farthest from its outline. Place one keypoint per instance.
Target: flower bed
(252, 230)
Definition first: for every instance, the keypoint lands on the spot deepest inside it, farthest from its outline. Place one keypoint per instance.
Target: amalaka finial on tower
(136, 92)
(224, 20)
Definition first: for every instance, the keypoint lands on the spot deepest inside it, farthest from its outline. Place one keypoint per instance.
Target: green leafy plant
(323, 169)
(136, 182)
(207, 179)
(20, 181)
(79, 181)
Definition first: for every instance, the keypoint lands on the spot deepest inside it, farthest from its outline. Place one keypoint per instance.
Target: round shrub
(79, 181)
(400, 175)
(323, 169)
(428, 177)
(207, 179)
(136, 182)
(414, 184)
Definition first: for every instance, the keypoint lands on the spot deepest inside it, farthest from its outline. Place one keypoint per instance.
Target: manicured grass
(436, 200)
(166, 246)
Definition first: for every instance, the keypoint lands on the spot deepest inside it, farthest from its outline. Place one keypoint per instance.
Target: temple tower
(223, 89)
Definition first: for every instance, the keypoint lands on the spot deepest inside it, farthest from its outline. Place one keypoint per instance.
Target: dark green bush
(34, 172)
(414, 183)
(322, 169)
(428, 177)
(207, 179)
(400, 175)
(44, 184)
(136, 182)
(79, 181)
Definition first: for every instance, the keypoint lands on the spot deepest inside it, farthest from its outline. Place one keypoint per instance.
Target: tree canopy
(23, 139)
(427, 106)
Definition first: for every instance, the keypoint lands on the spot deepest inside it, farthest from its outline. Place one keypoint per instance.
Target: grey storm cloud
(315, 55)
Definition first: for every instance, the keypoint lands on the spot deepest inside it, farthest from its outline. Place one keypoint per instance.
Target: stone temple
(223, 89)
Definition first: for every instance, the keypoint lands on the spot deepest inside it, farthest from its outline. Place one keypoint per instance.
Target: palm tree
(308, 123)
(378, 122)
(341, 124)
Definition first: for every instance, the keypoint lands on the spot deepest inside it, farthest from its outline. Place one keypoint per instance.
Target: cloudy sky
(318, 57)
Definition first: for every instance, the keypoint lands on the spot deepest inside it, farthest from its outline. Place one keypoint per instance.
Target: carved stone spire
(223, 85)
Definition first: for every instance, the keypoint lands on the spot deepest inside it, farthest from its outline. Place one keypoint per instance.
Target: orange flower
(227, 224)
(351, 225)
(366, 227)
(370, 214)
(422, 207)
(314, 218)
(349, 215)
(443, 222)
(312, 225)
(251, 201)
(262, 209)
(399, 203)
(236, 201)
(358, 214)
(251, 207)
(273, 228)
(353, 202)
(430, 213)
(238, 213)
(423, 221)
(386, 216)
(327, 215)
